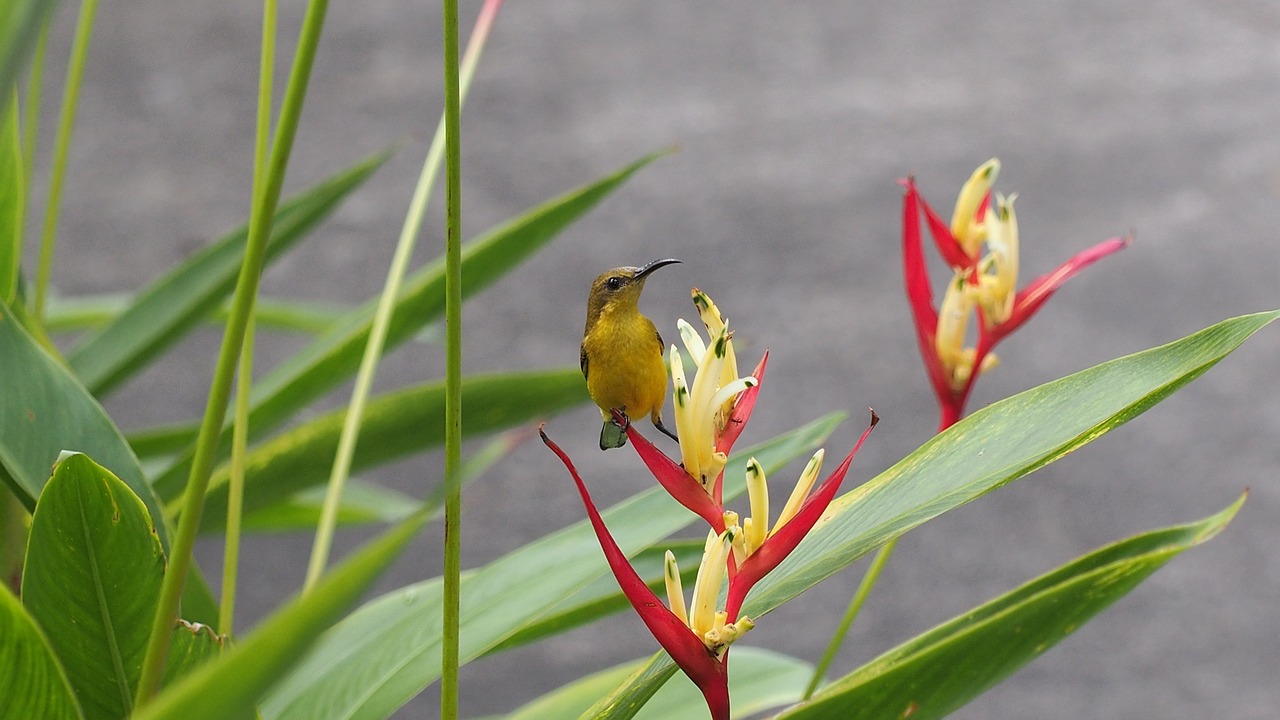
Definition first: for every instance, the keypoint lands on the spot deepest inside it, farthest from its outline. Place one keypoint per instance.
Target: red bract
(684, 647)
(953, 397)
(678, 483)
(785, 539)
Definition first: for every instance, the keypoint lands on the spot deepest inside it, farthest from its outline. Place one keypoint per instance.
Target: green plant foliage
(20, 22)
(230, 686)
(194, 644)
(991, 448)
(32, 683)
(92, 575)
(162, 313)
(336, 354)
(362, 504)
(12, 194)
(43, 411)
(941, 670)
(387, 651)
(761, 680)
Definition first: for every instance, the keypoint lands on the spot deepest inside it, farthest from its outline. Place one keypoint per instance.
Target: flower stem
(264, 207)
(850, 613)
(386, 305)
(240, 429)
(61, 148)
(453, 368)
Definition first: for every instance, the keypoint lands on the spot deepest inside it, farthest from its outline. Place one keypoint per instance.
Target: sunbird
(622, 352)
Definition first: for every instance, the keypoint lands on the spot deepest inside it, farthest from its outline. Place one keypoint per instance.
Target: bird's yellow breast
(625, 368)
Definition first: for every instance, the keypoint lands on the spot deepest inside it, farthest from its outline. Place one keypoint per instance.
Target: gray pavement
(793, 122)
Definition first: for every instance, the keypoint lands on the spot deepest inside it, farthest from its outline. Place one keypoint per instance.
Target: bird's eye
(614, 282)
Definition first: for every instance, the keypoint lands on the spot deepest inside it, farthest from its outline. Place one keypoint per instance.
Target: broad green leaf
(761, 680)
(389, 650)
(629, 698)
(603, 598)
(941, 670)
(20, 22)
(32, 683)
(991, 448)
(194, 644)
(43, 411)
(13, 190)
(335, 355)
(362, 504)
(231, 685)
(91, 579)
(394, 425)
(172, 305)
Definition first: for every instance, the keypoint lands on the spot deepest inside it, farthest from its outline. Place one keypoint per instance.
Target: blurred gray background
(793, 123)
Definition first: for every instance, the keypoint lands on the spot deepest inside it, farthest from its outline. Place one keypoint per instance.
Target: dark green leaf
(43, 411)
(194, 644)
(32, 683)
(941, 670)
(165, 311)
(92, 577)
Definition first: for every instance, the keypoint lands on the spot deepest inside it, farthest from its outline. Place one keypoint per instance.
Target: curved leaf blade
(20, 22)
(32, 683)
(941, 670)
(45, 410)
(394, 425)
(389, 650)
(92, 577)
(335, 355)
(161, 314)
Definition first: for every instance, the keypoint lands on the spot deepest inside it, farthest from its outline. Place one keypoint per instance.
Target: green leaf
(336, 355)
(92, 577)
(394, 425)
(941, 670)
(20, 22)
(194, 644)
(32, 683)
(91, 312)
(232, 684)
(991, 448)
(603, 598)
(362, 503)
(172, 305)
(43, 411)
(13, 190)
(761, 680)
(389, 649)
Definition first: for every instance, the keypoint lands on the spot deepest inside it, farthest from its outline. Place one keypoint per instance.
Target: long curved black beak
(642, 272)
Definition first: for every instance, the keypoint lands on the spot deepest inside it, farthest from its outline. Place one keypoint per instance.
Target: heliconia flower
(706, 622)
(703, 663)
(986, 285)
(801, 513)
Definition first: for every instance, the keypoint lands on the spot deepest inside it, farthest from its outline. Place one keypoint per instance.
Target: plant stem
(264, 208)
(30, 130)
(386, 305)
(850, 613)
(240, 429)
(62, 145)
(453, 368)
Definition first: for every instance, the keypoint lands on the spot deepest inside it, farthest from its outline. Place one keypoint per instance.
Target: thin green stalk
(386, 305)
(453, 369)
(61, 147)
(850, 613)
(30, 134)
(240, 429)
(264, 208)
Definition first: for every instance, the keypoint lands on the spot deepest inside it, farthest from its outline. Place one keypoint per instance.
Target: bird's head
(620, 288)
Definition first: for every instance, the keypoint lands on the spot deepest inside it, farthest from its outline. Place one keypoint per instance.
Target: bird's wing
(582, 358)
(661, 345)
